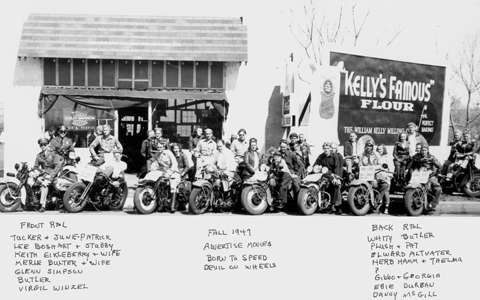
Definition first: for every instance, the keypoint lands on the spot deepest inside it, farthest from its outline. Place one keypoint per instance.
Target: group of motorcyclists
(286, 165)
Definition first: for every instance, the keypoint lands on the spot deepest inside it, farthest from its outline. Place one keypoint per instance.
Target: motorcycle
(24, 187)
(153, 192)
(313, 195)
(211, 189)
(13, 188)
(464, 176)
(363, 195)
(98, 187)
(417, 197)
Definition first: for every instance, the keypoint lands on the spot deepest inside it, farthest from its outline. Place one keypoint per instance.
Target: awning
(118, 99)
(134, 37)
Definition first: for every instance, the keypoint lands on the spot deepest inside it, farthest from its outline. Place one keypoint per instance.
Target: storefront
(134, 73)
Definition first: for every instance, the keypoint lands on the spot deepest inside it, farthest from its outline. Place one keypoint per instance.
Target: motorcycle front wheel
(307, 201)
(200, 199)
(144, 200)
(119, 197)
(72, 200)
(254, 200)
(10, 202)
(359, 200)
(414, 202)
(472, 187)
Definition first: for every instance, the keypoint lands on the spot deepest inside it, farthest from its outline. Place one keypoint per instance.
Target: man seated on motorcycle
(205, 150)
(350, 153)
(106, 143)
(294, 163)
(382, 176)
(61, 143)
(329, 160)
(457, 140)
(280, 178)
(466, 147)
(165, 161)
(225, 160)
(183, 161)
(426, 161)
(49, 162)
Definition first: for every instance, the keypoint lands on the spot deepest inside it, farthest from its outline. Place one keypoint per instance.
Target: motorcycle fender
(10, 179)
(202, 183)
(145, 182)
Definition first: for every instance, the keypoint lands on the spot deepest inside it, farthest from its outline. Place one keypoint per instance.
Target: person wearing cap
(280, 178)
(329, 160)
(457, 140)
(146, 148)
(61, 143)
(466, 147)
(159, 139)
(206, 149)
(293, 161)
(106, 143)
(414, 138)
(240, 145)
(225, 160)
(382, 175)
(50, 162)
(350, 152)
(164, 160)
(426, 161)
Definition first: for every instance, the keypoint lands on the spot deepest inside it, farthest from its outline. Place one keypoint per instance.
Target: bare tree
(466, 69)
(317, 30)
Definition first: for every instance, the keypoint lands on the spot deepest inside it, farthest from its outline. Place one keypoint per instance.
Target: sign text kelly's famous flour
(379, 97)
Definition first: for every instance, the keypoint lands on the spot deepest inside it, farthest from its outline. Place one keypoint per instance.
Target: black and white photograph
(231, 137)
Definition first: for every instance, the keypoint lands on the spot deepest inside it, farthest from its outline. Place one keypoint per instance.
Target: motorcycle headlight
(317, 169)
(324, 170)
(71, 155)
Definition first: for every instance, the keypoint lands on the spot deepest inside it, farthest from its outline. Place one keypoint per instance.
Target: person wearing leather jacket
(426, 161)
(51, 163)
(328, 160)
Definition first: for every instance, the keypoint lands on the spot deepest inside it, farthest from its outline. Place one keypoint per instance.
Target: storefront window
(64, 72)
(79, 72)
(93, 66)
(216, 77)
(157, 73)
(172, 73)
(141, 75)
(201, 78)
(187, 74)
(125, 74)
(108, 73)
(49, 71)
(80, 120)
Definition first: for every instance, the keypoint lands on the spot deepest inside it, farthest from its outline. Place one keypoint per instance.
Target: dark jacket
(401, 153)
(348, 149)
(50, 162)
(294, 163)
(429, 162)
(330, 162)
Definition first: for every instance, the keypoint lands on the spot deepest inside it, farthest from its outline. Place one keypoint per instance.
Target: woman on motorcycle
(401, 155)
(252, 158)
(165, 161)
(382, 175)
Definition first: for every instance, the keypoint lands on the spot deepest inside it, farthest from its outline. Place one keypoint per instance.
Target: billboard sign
(379, 97)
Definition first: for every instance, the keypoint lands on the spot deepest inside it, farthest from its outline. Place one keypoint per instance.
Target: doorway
(133, 127)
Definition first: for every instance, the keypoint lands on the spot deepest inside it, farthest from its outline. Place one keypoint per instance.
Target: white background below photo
(319, 257)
